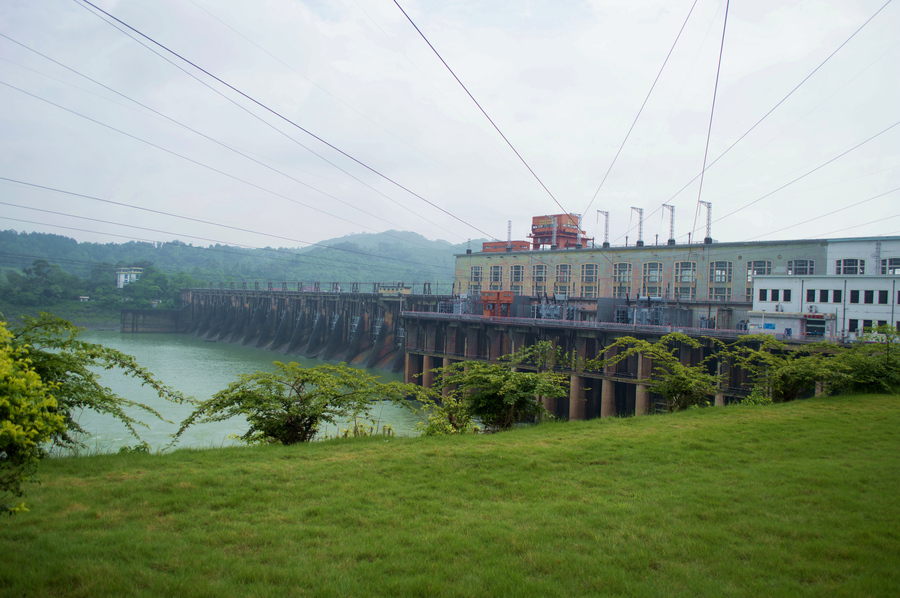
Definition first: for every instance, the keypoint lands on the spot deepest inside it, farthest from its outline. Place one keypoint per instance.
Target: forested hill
(383, 257)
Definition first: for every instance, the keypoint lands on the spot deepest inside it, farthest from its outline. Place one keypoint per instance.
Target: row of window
(852, 266)
(837, 295)
(774, 294)
(854, 325)
(685, 272)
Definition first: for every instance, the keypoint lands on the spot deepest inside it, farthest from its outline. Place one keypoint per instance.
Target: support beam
(577, 404)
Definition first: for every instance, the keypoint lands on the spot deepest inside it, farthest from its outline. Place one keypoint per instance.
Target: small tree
(681, 386)
(872, 364)
(28, 419)
(289, 405)
(68, 366)
(499, 394)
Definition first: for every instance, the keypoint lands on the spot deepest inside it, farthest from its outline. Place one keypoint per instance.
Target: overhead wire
(207, 137)
(780, 102)
(490, 120)
(188, 218)
(284, 118)
(641, 109)
(197, 162)
(806, 174)
(293, 259)
(859, 203)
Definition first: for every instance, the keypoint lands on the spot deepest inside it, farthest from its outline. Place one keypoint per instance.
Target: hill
(794, 499)
(383, 257)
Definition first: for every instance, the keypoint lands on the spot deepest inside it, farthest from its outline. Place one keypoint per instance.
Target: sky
(332, 118)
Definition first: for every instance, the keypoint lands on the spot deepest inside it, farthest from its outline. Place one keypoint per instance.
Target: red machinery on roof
(559, 231)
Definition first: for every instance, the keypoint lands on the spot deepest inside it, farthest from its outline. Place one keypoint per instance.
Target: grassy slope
(796, 499)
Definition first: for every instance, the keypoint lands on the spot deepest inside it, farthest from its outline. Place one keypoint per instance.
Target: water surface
(197, 368)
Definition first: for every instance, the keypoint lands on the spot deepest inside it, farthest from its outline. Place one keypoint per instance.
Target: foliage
(69, 366)
(28, 418)
(450, 416)
(872, 363)
(784, 373)
(682, 386)
(289, 405)
(499, 394)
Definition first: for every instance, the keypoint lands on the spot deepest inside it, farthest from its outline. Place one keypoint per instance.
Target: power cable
(859, 225)
(780, 102)
(226, 146)
(712, 111)
(859, 203)
(198, 163)
(802, 176)
(490, 120)
(344, 249)
(285, 119)
(293, 259)
(638, 115)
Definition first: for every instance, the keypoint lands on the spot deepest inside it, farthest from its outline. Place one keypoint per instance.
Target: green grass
(794, 499)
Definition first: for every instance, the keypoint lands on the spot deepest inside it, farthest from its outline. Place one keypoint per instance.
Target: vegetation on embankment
(791, 499)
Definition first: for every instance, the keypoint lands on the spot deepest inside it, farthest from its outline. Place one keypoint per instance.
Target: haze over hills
(390, 256)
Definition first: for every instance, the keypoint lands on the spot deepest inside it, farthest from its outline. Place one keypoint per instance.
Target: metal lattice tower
(671, 223)
(605, 228)
(708, 207)
(640, 211)
(509, 235)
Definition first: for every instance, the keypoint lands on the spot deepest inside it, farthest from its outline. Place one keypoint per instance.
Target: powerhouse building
(717, 281)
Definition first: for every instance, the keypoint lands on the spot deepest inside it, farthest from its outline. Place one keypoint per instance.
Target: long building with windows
(715, 279)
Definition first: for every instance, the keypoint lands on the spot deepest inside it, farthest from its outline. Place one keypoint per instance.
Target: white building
(831, 306)
(127, 276)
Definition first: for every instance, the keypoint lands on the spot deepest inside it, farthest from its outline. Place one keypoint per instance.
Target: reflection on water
(197, 368)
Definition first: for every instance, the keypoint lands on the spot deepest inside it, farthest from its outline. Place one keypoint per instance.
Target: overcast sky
(562, 80)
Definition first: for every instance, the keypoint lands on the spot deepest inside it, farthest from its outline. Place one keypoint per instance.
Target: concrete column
(445, 390)
(427, 374)
(549, 404)
(820, 388)
(642, 400)
(608, 399)
(720, 399)
(577, 404)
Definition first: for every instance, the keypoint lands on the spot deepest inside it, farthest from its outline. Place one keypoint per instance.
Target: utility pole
(605, 229)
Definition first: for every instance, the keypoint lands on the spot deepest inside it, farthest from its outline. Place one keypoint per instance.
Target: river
(197, 368)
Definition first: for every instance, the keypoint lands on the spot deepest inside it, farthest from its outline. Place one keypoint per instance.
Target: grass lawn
(793, 499)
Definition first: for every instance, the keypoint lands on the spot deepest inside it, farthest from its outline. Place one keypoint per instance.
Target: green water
(197, 368)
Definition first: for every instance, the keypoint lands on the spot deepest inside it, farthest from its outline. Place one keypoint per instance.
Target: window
(764, 294)
(882, 322)
(720, 293)
(852, 325)
(854, 296)
(686, 293)
(869, 297)
(837, 296)
(890, 266)
(685, 272)
(823, 296)
(561, 289)
(621, 279)
(517, 273)
(539, 273)
(776, 295)
(787, 295)
(882, 297)
(588, 273)
(653, 279)
(867, 325)
(516, 289)
(801, 268)
(810, 296)
(563, 272)
(758, 268)
(589, 291)
(851, 266)
(539, 290)
(720, 272)
(475, 274)
(496, 273)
